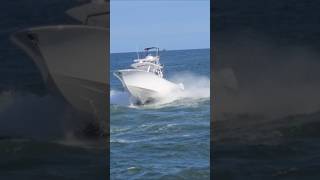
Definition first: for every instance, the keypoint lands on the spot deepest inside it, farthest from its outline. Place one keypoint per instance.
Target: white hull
(145, 86)
(72, 60)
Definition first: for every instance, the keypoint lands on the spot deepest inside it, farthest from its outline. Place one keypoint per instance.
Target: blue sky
(183, 24)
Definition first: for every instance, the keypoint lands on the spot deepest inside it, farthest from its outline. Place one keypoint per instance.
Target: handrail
(95, 14)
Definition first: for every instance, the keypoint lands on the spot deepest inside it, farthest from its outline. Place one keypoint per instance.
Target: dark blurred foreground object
(268, 126)
(73, 59)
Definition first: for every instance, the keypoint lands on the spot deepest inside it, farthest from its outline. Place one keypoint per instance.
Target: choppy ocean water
(168, 140)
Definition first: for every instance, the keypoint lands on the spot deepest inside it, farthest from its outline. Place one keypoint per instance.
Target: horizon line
(164, 48)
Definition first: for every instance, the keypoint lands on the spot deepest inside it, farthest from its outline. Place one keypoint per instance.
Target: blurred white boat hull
(72, 60)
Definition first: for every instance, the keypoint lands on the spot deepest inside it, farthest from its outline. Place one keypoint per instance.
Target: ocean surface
(167, 140)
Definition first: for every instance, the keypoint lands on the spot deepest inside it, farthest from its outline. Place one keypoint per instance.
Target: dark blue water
(163, 141)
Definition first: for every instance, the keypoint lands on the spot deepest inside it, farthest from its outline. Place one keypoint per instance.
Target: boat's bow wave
(196, 90)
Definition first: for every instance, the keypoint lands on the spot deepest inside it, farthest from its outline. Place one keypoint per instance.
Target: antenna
(137, 52)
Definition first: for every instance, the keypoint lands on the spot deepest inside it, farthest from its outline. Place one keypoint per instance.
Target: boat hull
(72, 60)
(145, 86)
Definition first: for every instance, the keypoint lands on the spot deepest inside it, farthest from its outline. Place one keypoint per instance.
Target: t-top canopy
(147, 49)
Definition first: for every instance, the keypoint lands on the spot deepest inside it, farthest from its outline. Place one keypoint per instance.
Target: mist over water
(195, 86)
(271, 80)
(118, 97)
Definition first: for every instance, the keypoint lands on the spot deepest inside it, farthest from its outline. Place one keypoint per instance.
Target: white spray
(196, 87)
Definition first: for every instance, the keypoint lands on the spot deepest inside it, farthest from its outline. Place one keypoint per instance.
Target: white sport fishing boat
(145, 82)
